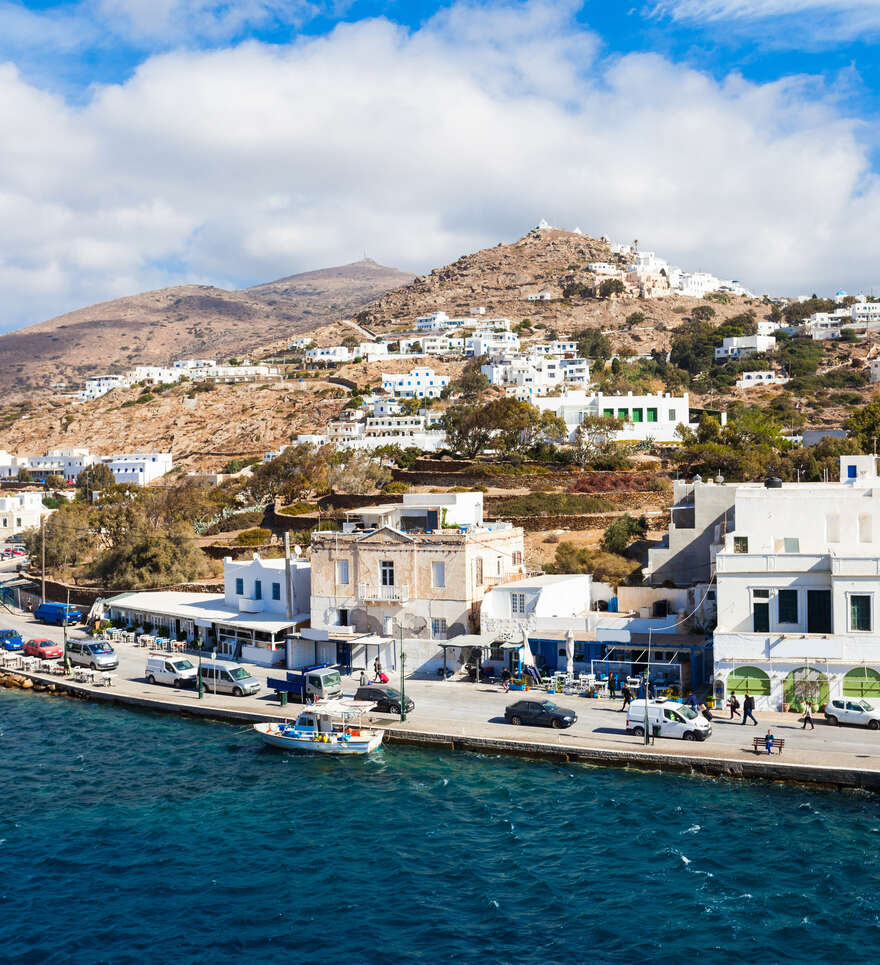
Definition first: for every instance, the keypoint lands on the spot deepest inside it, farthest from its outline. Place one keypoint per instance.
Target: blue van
(58, 613)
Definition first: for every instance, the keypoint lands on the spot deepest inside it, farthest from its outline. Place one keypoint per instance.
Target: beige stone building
(424, 585)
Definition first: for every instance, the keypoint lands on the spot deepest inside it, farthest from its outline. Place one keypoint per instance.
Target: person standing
(733, 704)
(627, 697)
(692, 701)
(612, 686)
(808, 717)
(748, 707)
(505, 679)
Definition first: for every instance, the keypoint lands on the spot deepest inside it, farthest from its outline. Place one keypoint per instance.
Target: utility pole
(287, 600)
(647, 687)
(43, 559)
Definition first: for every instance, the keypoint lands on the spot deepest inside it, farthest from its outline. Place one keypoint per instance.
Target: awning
(472, 640)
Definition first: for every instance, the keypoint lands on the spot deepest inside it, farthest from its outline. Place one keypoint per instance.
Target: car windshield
(239, 673)
(548, 705)
(183, 665)
(687, 712)
(865, 705)
(101, 648)
(332, 679)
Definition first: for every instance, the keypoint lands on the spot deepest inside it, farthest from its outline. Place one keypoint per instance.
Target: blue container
(612, 605)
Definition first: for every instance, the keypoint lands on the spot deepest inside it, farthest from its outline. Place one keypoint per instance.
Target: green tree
(54, 481)
(300, 472)
(703, 313)
(471, 383)
(611, 286)
(864, 425)
(70, 537)
(94, 479)
(593, 344)
(621, 532)
(466, 433)
(594, 439)
(355, 471)
(24, 475)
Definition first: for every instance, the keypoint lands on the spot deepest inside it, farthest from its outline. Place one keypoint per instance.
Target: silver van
(226, 677)
(92, 653)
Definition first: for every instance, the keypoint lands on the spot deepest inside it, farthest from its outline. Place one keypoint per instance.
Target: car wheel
(394, 709)
(639, 731)
(831, 720)
(556, 723)
(237, 692)
(93, 665)
(689, 735)
(176, 683)
(151, 679)
(873, 724)
(516, 721)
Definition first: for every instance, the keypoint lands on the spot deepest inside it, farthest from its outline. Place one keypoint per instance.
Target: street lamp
(647, 686)
(201, 682)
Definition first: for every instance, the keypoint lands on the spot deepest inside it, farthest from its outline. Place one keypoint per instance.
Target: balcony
(249, 605)
(371, 593)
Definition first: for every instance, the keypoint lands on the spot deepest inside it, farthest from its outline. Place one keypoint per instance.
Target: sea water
(131, 837)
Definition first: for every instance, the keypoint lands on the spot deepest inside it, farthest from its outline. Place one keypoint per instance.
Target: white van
(226, 677)
(163, 668)
(672, 718)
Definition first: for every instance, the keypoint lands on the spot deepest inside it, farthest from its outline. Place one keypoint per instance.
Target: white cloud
(823, 21)
(256, 161)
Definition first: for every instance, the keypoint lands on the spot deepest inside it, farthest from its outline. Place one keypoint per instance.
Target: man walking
(612, 686)
(808, 717)
(627, 697)
(748, 707)
(733, 704)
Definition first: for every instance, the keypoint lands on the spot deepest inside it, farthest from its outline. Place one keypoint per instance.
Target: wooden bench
(761, 743)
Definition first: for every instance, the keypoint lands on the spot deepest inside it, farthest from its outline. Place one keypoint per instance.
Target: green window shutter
(749, 680)
(652, 415)
(637, 415)
(862, 682)
(608, 413)
(623, 413)
(787, 601)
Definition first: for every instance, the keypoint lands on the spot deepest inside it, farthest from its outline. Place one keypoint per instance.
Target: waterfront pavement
(459, 709)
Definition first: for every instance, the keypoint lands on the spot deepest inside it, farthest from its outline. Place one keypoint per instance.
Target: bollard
(283, 696)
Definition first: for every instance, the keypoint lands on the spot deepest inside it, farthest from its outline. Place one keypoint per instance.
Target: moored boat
(327, 727)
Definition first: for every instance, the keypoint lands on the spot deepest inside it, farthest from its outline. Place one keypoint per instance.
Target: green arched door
(806, 682)
(749, 680)
(861, 682)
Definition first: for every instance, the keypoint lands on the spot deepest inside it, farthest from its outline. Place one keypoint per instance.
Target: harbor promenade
(470, 716)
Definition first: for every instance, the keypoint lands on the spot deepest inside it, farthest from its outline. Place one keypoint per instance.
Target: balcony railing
(371, 593)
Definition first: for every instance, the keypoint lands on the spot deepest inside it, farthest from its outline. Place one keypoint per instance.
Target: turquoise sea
(137, 838)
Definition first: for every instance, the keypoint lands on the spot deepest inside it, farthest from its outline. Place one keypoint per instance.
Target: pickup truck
(308, 684)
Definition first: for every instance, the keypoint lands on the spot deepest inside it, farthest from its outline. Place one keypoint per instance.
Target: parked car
(58, 613)
(227, 677)
(853, 710)
(92, 653)
(44, 649)
(386, 699)
(667, 718)
(163, 668)
(11, 639)
(539, 713)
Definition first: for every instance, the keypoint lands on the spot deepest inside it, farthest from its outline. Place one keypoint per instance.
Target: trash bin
(655, 730)
(283, 696)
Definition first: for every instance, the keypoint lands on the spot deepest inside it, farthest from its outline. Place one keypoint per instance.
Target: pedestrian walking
(612, 686)
(505, 679)
(748, 707)
(808, 717)
(377, 668)
(692, 701)
(733, 704)
(627, 697)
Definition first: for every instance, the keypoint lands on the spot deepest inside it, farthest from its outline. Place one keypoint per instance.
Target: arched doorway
(804, 683)
(749, 680)
(861, 682)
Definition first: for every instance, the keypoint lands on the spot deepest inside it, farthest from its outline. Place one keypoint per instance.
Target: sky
(147, 143)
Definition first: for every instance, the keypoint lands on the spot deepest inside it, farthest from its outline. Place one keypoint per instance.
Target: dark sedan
(539, 713)
(387, 699)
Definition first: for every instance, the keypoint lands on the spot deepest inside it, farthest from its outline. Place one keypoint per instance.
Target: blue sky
(155, 142)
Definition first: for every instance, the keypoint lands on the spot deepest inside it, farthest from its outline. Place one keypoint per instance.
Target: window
(239, 586)
(859, 611)
(740, 544)
(438, 628)
(517, 558)
(386, 572)
(787, 606)
(276, 591)
(851, 472)
(623, 414)
(672, 415)
(638, 415)
(342, 572)
(607, 413)
(478, 570)
(791, 544)
(517, 604)
(652, 415)
(760, 611)
(258, 589)
(438, 574)
(496, 652)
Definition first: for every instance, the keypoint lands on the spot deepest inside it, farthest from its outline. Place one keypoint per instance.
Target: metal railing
(373, 593)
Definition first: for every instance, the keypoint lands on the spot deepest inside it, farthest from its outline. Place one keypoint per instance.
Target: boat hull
(353, 746)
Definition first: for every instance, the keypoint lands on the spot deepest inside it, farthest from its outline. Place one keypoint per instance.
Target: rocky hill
(188, 320)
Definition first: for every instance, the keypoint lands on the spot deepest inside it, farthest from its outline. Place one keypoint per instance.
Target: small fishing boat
(326, 727)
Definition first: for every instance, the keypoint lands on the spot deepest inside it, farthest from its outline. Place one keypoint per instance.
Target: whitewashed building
(798, 580)
(100, 385)
(141, 468)
(741, 346)
(19, 512)
(420, 383)
(328, 354)
(752, 380)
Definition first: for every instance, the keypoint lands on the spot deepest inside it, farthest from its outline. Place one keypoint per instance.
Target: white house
(432, 322)
(605, 268)
(328, 354)
(741, 346)
(422, 383)
(798, 580)
(750, 380)
(101, 385)
(540, 297)
(19, 512)
(139, 469)
(490, 342)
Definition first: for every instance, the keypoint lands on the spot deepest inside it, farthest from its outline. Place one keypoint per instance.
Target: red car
(45, 649)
